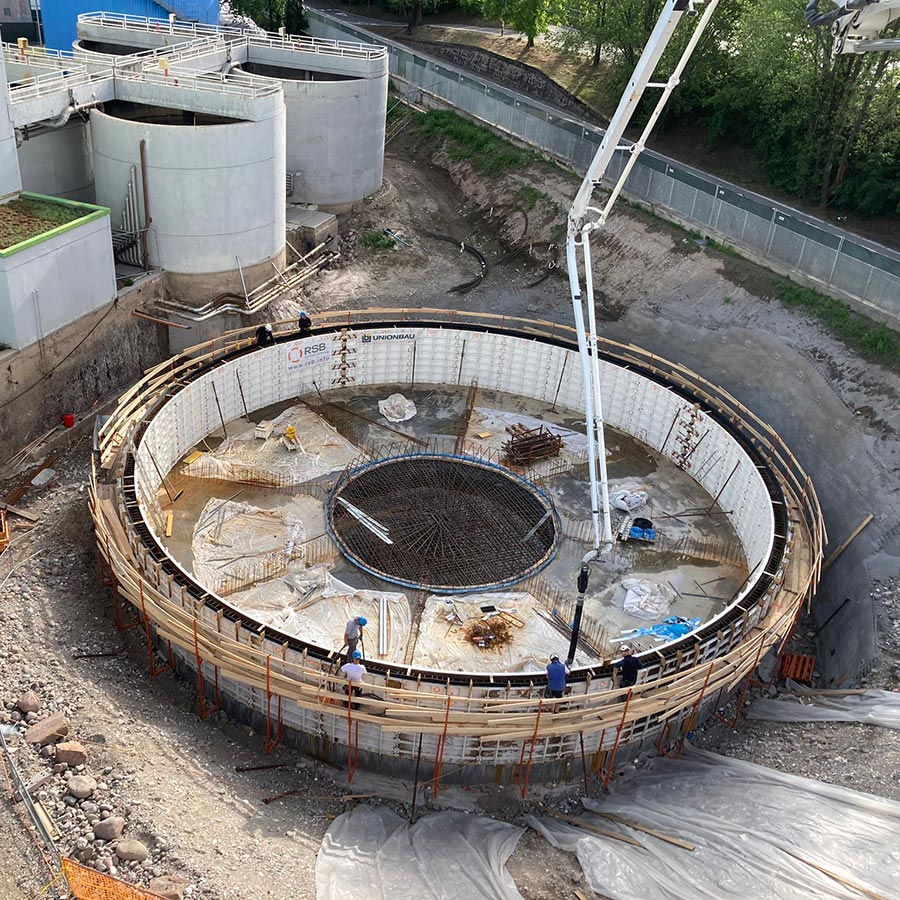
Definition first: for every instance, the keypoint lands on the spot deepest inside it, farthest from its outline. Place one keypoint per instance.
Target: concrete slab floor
(697, 560)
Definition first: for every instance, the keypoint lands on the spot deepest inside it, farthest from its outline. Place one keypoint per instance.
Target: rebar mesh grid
(442, 523)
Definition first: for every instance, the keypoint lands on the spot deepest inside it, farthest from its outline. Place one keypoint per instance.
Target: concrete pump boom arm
(857, 24)
(583, 218)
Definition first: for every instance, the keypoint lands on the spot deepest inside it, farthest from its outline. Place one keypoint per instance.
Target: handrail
(54, 83)
(263, 38)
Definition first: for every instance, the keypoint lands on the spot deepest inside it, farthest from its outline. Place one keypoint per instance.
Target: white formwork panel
(438, 354)
(385, 356)
(632, 403)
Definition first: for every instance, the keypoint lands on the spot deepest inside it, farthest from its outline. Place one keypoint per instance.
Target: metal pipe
(575, 286)
(243, 282)
(145, 249)
(158, 321)
(598, 399)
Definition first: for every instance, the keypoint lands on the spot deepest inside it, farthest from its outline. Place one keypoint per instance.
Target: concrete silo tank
(215, 189)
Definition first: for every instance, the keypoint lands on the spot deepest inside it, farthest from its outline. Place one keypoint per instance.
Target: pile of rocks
(93, 829)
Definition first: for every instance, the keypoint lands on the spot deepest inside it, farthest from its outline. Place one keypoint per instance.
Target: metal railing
(216, 82)
(54, 83)
(771, 233)
(200, 30)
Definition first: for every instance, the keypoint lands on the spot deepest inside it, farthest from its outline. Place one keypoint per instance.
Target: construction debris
(489, 633)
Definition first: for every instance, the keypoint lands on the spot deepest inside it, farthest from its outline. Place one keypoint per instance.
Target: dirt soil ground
(172, 777)
(733, 162)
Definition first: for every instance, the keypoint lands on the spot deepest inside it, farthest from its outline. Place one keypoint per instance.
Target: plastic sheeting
(371, 852)
(235, 541)
(871, 708)
(314, 605)
(645, 599)
(667, 630)
(442, 643)
(243, 457)
(760, 834)
(397, 408)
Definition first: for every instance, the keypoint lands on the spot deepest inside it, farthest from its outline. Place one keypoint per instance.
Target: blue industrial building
(59, 17)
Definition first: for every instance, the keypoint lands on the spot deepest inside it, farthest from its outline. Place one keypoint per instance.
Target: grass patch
(875, 340)
(377, 240)
(531, 196)
(489, 154)
(26, 217)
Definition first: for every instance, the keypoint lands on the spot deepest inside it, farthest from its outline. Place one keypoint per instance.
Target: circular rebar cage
(442, 523)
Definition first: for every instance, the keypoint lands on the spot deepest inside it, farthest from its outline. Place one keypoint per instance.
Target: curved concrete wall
(335, 138)
(216, 192)
(59, 162)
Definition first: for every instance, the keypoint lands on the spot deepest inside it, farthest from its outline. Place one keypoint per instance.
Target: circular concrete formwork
(470, 725)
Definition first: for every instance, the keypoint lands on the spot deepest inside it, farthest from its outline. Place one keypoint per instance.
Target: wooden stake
(588, 826)
(685, 845)
(833, 558)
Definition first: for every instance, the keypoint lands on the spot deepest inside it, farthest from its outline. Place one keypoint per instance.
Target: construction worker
(353, 632)
(304, 323)
(353, 671)
(264, 336)
(628, 667)
(556, 677)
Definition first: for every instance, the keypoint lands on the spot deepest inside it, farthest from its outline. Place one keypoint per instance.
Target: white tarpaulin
(314, 605)
(235, 541)
(645, 599)
(370, 852)
(871, 708)
(244, 457)
(760, 834)
(397, 408)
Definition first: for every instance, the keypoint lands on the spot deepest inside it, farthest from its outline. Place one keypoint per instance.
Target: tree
(816, 121)
(531, 17)
(268, 14)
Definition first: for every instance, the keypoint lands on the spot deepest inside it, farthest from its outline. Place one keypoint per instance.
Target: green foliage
(268, 14)
(489, 154)
(874, 339)
(530, 196)
(377, 240)
(531, 17)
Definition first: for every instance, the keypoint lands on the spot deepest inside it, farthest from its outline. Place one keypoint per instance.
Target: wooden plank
(685, 845)
(856, 532)
(588, 826)
(21, 513)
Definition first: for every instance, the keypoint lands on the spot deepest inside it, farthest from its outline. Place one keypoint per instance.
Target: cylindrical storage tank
(335, 137)
(215, 192)
(58, 162)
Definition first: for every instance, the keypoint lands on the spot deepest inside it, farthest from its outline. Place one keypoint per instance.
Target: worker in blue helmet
(304, 323)
(352, 633)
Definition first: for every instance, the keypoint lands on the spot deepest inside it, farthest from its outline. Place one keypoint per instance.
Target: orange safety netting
(88, 884)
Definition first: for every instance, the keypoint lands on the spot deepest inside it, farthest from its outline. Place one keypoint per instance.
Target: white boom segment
(857, 24)
(583, 218)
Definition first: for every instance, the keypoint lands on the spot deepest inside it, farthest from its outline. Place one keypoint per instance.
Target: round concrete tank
(58, 161)
(335, 121)
(335, 138)
(215, 190)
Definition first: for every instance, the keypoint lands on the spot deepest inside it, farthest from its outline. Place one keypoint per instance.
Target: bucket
(69, 420)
